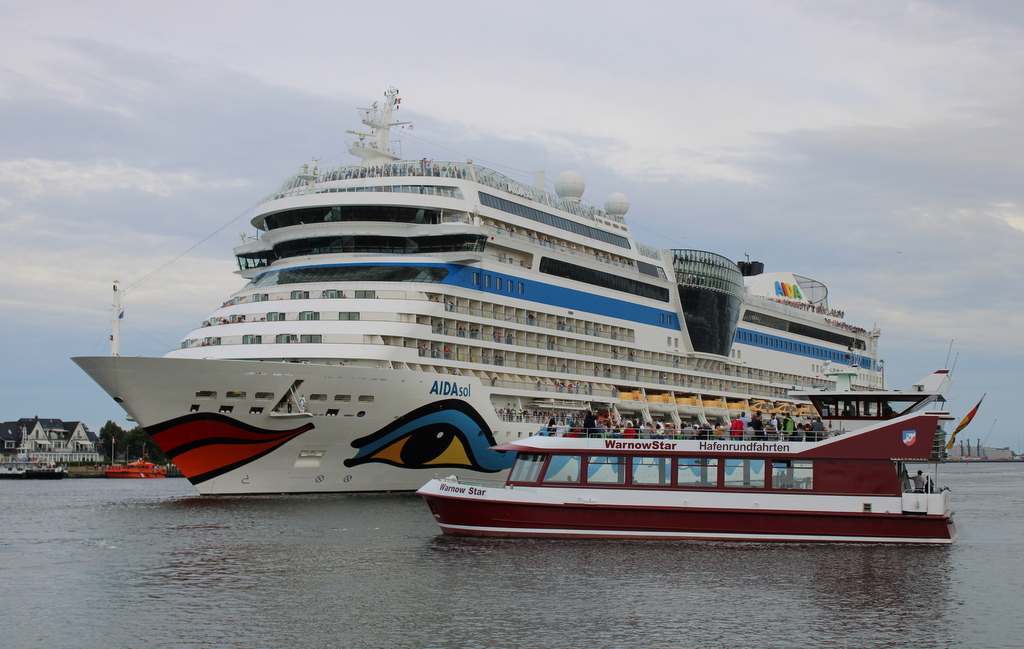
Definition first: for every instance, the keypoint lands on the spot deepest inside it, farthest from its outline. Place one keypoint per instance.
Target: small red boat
(138, 469)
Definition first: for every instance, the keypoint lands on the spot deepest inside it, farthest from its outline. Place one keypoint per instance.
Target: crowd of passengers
(778, 427)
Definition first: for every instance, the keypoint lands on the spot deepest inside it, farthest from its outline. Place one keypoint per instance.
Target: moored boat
(137, 469)
(847, 486)
(29, 469)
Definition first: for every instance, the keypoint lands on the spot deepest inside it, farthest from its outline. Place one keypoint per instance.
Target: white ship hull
(241, 451)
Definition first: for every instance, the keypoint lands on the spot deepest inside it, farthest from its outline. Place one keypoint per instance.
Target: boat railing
(572, 430)
(472, 482)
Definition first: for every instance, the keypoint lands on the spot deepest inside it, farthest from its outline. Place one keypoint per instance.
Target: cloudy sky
(874, 146)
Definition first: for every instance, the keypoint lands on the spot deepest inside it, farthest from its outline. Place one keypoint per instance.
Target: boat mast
(378, 149)
(115, 322)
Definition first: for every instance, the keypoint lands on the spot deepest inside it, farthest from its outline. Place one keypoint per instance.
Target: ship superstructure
(401, 317)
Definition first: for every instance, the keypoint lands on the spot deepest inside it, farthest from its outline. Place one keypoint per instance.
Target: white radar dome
(569, 185)
(616, 204)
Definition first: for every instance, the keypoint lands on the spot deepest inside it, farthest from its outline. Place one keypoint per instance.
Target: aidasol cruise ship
(402, 317)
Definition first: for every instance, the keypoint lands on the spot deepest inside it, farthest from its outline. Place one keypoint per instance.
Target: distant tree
(111, 431)
(131, 444)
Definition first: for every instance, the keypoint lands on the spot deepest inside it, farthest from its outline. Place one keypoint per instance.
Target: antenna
(948, 353)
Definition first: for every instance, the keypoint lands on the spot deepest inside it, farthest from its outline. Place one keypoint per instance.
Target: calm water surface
(112, 563)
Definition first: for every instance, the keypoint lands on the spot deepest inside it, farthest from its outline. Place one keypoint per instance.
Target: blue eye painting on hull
(447, 433)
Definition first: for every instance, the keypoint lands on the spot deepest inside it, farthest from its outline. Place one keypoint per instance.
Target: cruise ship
(401, 318)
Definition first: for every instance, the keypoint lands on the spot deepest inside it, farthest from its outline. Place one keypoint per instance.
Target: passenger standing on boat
(738, 425)
(589, 424)
(757, 425)
(817, 430)
(302, 403)
(919, 482)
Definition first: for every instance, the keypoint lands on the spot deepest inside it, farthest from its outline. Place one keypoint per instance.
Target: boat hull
(530, 513)
(394, 431)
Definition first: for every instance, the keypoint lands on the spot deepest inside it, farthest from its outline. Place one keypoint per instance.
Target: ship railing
(539, 323)
(430, 169)
(561, 247)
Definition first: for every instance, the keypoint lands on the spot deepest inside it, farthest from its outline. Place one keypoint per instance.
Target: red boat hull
(466, 517)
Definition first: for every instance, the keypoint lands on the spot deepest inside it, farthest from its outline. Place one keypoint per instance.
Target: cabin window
(252, 340)
(348, 315)
(311, 338)
(604, 469)
(300, 295)
(563, 468)
(656, 471)
(526, 468)
(343, 398)
(793, 474)
(366, 294)
(697, 472)
(309, 315)
(746, 473)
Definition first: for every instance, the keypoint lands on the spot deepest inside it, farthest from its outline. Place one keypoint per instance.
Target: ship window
(348, 315)
(343, 398)
(365, 398)
(697, 472)
(318, 397)
(793, 474)
(260, 297)
(283, 338)
(234, 394)
(252, 340)
(522, 288)
(309, 315)
(746, 473)
(264, 396)
(563, 468)
(487, 281)
(499, 283)
(526, 468)
(311, 338)
(366, 294)
(206, 394)
(476, 279)
(275, 317)
(612, 281)
(605, 469)
(300, 295)
(652, 471)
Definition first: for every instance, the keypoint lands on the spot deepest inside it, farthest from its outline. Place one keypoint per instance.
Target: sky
(873, 146)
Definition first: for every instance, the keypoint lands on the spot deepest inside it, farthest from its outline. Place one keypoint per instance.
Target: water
(124, 563)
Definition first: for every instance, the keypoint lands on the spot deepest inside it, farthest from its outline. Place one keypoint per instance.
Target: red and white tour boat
(852, 484)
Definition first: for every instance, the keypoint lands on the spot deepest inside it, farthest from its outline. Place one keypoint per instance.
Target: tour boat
(31, 469)
(137, 469)
(849, 484)
(401, 317)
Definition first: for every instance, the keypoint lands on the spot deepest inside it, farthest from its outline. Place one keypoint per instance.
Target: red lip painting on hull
(205, 446)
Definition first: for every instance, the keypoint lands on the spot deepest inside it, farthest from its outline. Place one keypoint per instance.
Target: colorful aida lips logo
(909, 437)
(788, 290)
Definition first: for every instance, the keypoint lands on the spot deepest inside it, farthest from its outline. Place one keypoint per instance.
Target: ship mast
(115, 322)
(376, 147)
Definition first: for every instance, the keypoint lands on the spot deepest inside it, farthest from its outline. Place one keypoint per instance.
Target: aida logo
(788, 290)
(909, 437)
